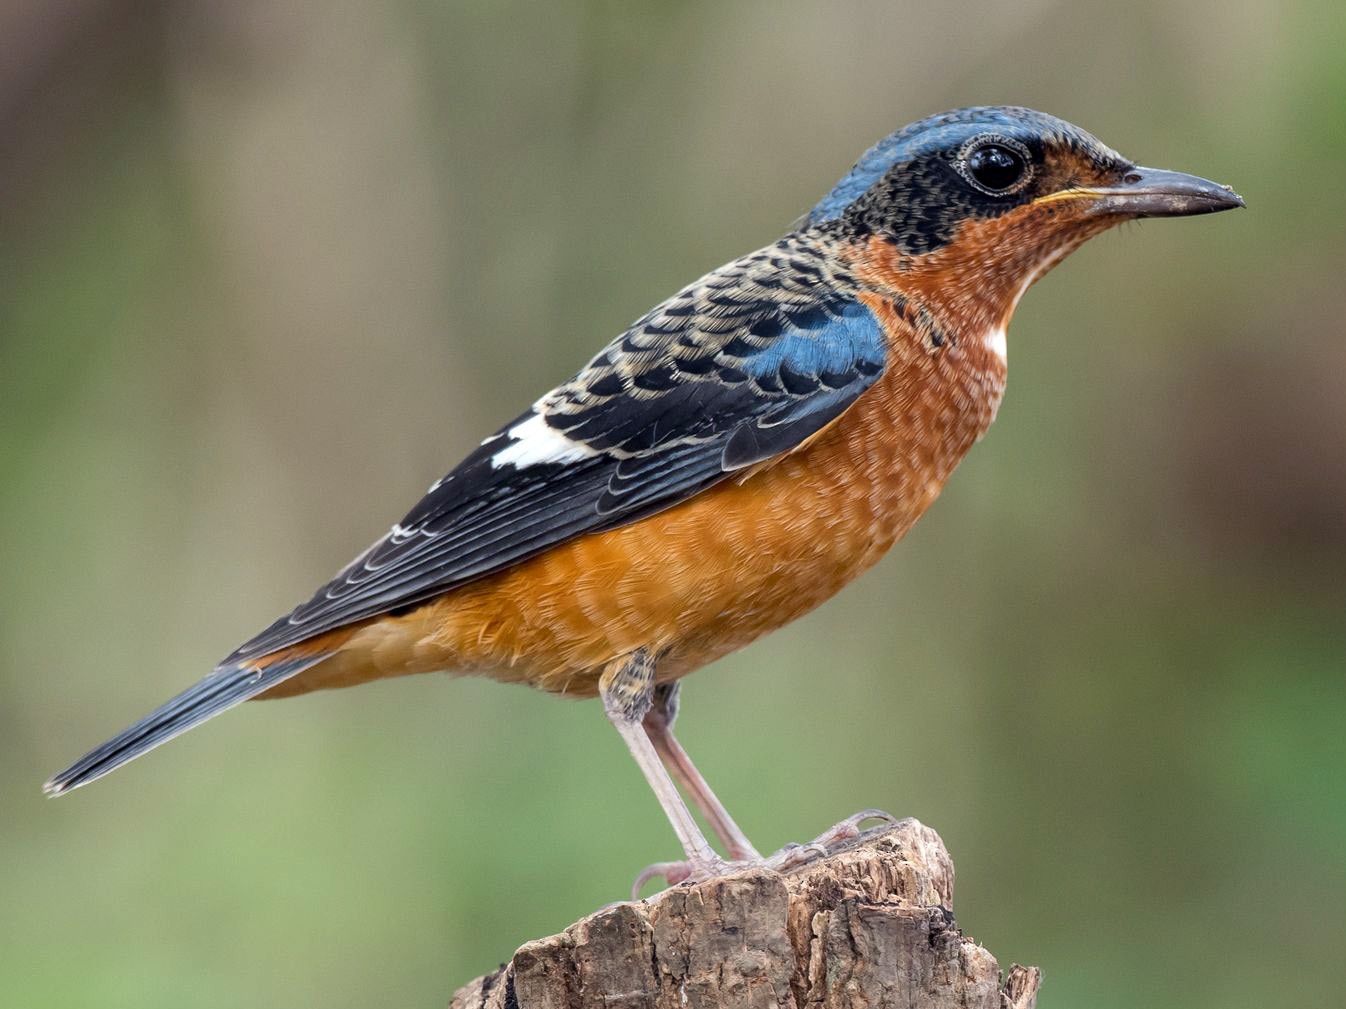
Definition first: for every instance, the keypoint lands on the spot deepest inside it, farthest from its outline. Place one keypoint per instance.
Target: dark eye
(996, 167)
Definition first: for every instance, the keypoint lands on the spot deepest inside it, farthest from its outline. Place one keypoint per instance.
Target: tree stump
(871, 925)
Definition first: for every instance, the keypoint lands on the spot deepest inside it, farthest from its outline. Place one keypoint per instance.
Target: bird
(727, 463)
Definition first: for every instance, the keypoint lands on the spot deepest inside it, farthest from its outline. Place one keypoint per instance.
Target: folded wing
(738, 368)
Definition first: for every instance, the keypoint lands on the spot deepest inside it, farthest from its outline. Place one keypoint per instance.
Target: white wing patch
(535, 441)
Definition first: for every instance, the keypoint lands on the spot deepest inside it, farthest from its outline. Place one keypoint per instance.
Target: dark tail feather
(220, 691)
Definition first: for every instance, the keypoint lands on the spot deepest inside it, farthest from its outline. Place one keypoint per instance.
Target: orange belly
(712, 574)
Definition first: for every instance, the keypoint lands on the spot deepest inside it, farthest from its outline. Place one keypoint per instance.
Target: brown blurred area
(269, 269)
(1265, 478)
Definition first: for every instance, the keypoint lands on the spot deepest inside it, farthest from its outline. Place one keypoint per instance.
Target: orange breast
(709, 575)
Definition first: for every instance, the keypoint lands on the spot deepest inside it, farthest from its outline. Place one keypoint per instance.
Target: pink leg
(643, 715)
(659, 727)
(626, 692)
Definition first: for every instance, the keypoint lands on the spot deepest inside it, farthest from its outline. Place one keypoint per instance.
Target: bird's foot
(674, 873)
(794, 855)
(790, 857)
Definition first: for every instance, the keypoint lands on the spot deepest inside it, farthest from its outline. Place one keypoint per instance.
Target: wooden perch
(869, 926)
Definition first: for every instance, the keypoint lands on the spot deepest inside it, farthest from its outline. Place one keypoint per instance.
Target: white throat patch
(998, 343)
(996, 339)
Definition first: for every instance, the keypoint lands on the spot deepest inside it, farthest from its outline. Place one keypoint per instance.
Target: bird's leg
(627, 686)
(644, 715)
(659, 727)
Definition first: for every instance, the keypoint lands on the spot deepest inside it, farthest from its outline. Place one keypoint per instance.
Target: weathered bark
(871, 925)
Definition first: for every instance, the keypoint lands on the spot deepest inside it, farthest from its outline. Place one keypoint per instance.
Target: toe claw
(850, 827)
(794, 855)
(672, 873)
(871, 814)
(791, 856)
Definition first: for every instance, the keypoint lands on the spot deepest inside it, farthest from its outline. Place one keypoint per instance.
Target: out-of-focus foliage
(268, 269)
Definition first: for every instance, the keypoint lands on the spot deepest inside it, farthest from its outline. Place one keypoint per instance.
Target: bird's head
(969, 208)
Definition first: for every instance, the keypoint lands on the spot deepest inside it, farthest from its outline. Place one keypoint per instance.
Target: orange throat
(971, 285)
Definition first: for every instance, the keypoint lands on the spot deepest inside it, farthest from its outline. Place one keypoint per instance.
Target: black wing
(743, 365)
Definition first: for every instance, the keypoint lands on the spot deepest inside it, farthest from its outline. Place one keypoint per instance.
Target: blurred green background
(269, 268)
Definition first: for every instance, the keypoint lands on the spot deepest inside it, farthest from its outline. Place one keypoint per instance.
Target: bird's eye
(997, 166)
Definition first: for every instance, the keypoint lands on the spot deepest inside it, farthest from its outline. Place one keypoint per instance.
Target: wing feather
(740, 367)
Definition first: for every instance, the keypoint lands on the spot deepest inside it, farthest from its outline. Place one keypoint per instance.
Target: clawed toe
(794, 855)
(789, 857)
(850, 827)
(674, 873)
(671, 873)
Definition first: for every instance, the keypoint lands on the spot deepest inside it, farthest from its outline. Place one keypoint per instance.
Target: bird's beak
(1154, 192)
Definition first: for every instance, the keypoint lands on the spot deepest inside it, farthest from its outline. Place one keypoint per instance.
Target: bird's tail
(227, 686)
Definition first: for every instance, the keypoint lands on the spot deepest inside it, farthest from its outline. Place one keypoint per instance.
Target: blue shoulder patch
(832, 345)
